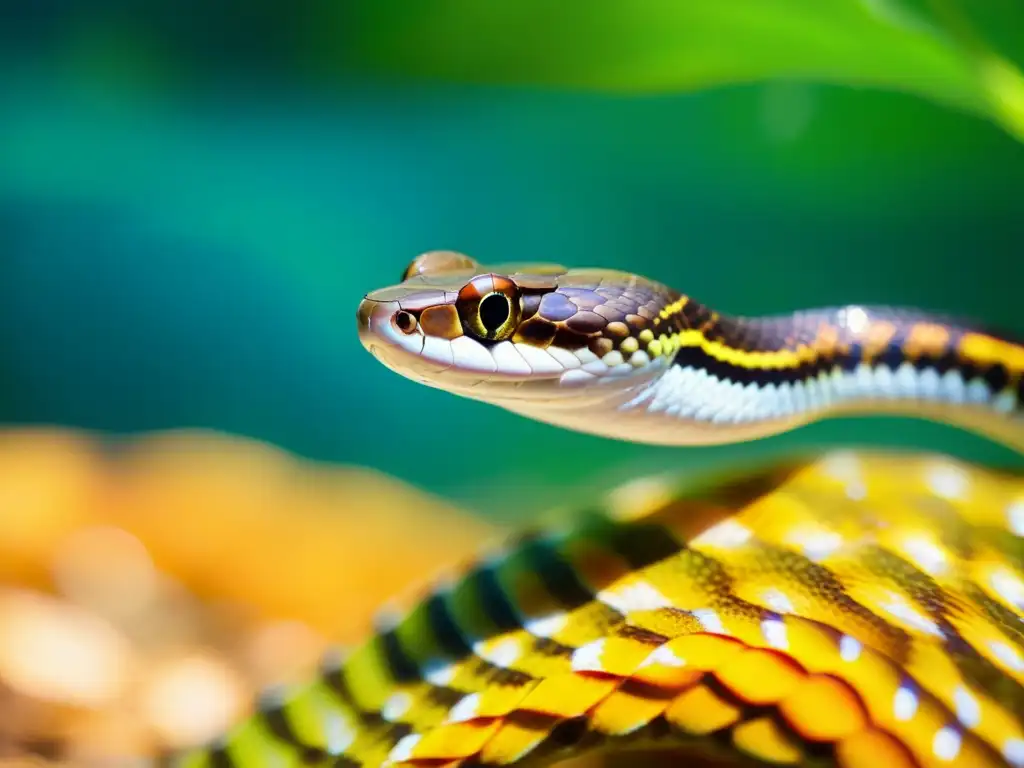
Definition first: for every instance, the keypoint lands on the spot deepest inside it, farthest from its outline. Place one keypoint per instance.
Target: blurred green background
(192, 204)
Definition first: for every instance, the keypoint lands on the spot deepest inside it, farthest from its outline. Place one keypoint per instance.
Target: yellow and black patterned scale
(855, 611)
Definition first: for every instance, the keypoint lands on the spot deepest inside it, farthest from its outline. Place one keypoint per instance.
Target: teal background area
(189, 251)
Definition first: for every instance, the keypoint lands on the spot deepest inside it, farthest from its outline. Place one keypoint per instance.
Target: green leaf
(931, 48)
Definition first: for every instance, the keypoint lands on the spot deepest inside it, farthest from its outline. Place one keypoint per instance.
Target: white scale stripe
(688, 392)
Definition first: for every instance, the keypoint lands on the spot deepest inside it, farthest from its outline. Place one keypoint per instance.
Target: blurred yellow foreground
(148, 592)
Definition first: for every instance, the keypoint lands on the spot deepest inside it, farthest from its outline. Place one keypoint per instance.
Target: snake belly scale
(855, 610)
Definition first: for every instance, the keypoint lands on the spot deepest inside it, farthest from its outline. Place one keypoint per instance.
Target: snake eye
(489, 307)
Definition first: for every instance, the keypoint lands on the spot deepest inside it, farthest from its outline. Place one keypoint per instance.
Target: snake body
(621, 356)
(851, 611)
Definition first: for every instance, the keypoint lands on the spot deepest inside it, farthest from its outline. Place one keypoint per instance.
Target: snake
(854, 610)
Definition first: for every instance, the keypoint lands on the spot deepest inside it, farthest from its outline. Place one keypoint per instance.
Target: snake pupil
(494, 312)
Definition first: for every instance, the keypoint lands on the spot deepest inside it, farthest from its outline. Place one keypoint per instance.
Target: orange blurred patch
(147, 595)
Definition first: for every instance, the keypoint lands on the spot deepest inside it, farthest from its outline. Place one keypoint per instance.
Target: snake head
(520, 332)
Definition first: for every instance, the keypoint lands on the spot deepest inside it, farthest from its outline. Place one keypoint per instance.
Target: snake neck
(735, 378)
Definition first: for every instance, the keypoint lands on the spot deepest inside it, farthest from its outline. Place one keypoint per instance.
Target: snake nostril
(405, 322)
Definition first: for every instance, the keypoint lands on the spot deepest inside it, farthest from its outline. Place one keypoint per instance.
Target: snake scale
(856, 610)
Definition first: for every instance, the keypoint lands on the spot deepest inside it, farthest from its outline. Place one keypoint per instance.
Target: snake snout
(389, 333)
(373, 320)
